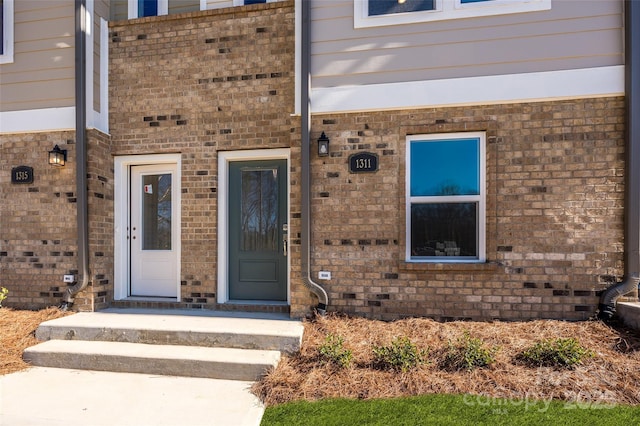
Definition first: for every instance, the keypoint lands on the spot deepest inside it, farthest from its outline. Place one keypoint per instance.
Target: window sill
(451, 267)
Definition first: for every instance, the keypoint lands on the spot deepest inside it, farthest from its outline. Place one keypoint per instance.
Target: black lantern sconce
(323, 145)
(57, 156)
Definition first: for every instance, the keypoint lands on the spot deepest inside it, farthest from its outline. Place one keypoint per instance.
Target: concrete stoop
(176, 343)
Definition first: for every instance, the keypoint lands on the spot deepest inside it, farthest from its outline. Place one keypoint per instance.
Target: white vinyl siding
(571, 35)
(41, 74)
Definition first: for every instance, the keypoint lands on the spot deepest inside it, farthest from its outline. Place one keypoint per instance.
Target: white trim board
(38, 120)
(121, 214)
(507, 88)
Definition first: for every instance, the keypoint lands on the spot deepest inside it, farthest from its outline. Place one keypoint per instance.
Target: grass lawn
(448, 410)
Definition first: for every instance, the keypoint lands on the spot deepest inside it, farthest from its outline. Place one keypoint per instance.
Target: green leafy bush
(468, 353)
(333, 350)
(3, 294)
(555, 353)
(400, 355)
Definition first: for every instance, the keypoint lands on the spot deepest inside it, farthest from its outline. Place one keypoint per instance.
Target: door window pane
(444, 229)
(156, 212)
(449, 167)
(259, 210)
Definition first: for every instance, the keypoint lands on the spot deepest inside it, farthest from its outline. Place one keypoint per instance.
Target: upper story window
(374, 13)
(386, 7)
(147, 8)
(248, 2)
(132, 9)
(143, 8)
(445, 186)
(6, 31)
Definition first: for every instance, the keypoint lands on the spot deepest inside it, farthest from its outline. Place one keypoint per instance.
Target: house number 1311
(363, 162)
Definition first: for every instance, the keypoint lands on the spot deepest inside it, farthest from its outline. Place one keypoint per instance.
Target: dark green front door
(258, 230)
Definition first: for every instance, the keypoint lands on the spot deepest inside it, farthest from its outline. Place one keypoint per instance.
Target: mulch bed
(17, 332)
(611, 375)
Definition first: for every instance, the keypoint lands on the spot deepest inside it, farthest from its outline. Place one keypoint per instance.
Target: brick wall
(202, 82)
(555, 200)
(38, 237)
(100, 217)
(37, 221)
(195, 84)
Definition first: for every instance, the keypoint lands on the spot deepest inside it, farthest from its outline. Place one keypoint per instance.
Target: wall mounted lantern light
(57, 156)
(323, 145)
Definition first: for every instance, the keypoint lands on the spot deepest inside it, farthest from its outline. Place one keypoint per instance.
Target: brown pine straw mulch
(612, 376)
(17, 332)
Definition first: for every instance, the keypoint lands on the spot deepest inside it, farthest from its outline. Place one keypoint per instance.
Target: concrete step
(183, 328)
(168, 360)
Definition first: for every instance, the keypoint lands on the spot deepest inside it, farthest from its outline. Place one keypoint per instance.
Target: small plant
(333, 350)
(468, 353)
(3, 295)
(555, 353)
(400, 355)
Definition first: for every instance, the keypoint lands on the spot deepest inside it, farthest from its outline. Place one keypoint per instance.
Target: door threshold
(270, 306)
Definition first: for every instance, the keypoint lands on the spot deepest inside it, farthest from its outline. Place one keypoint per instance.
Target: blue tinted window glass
(384, 7)
(247, 2)
(473, 1)
(147, 8)
(445, 167)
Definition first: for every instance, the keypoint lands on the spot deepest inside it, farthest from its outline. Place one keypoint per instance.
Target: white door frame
(121, 216)
(224, 158)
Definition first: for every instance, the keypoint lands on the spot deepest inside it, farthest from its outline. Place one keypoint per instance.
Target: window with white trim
(6, 31)
(445, 184)
(373, 13)
(143, 8)
(248, 2)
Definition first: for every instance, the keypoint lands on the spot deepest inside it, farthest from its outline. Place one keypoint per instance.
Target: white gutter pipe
(323, 298)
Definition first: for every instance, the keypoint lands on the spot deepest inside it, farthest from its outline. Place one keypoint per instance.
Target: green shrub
(3, 294)
(401, 355)
(468, 353)
(333, 350)
(555, 353)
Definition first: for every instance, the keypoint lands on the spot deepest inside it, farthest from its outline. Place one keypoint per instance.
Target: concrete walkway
(94, 387)
(54, 396)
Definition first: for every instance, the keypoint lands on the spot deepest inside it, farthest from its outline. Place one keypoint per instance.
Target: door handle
(285, 239)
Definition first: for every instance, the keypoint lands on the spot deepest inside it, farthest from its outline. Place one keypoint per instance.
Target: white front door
(153, 231)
